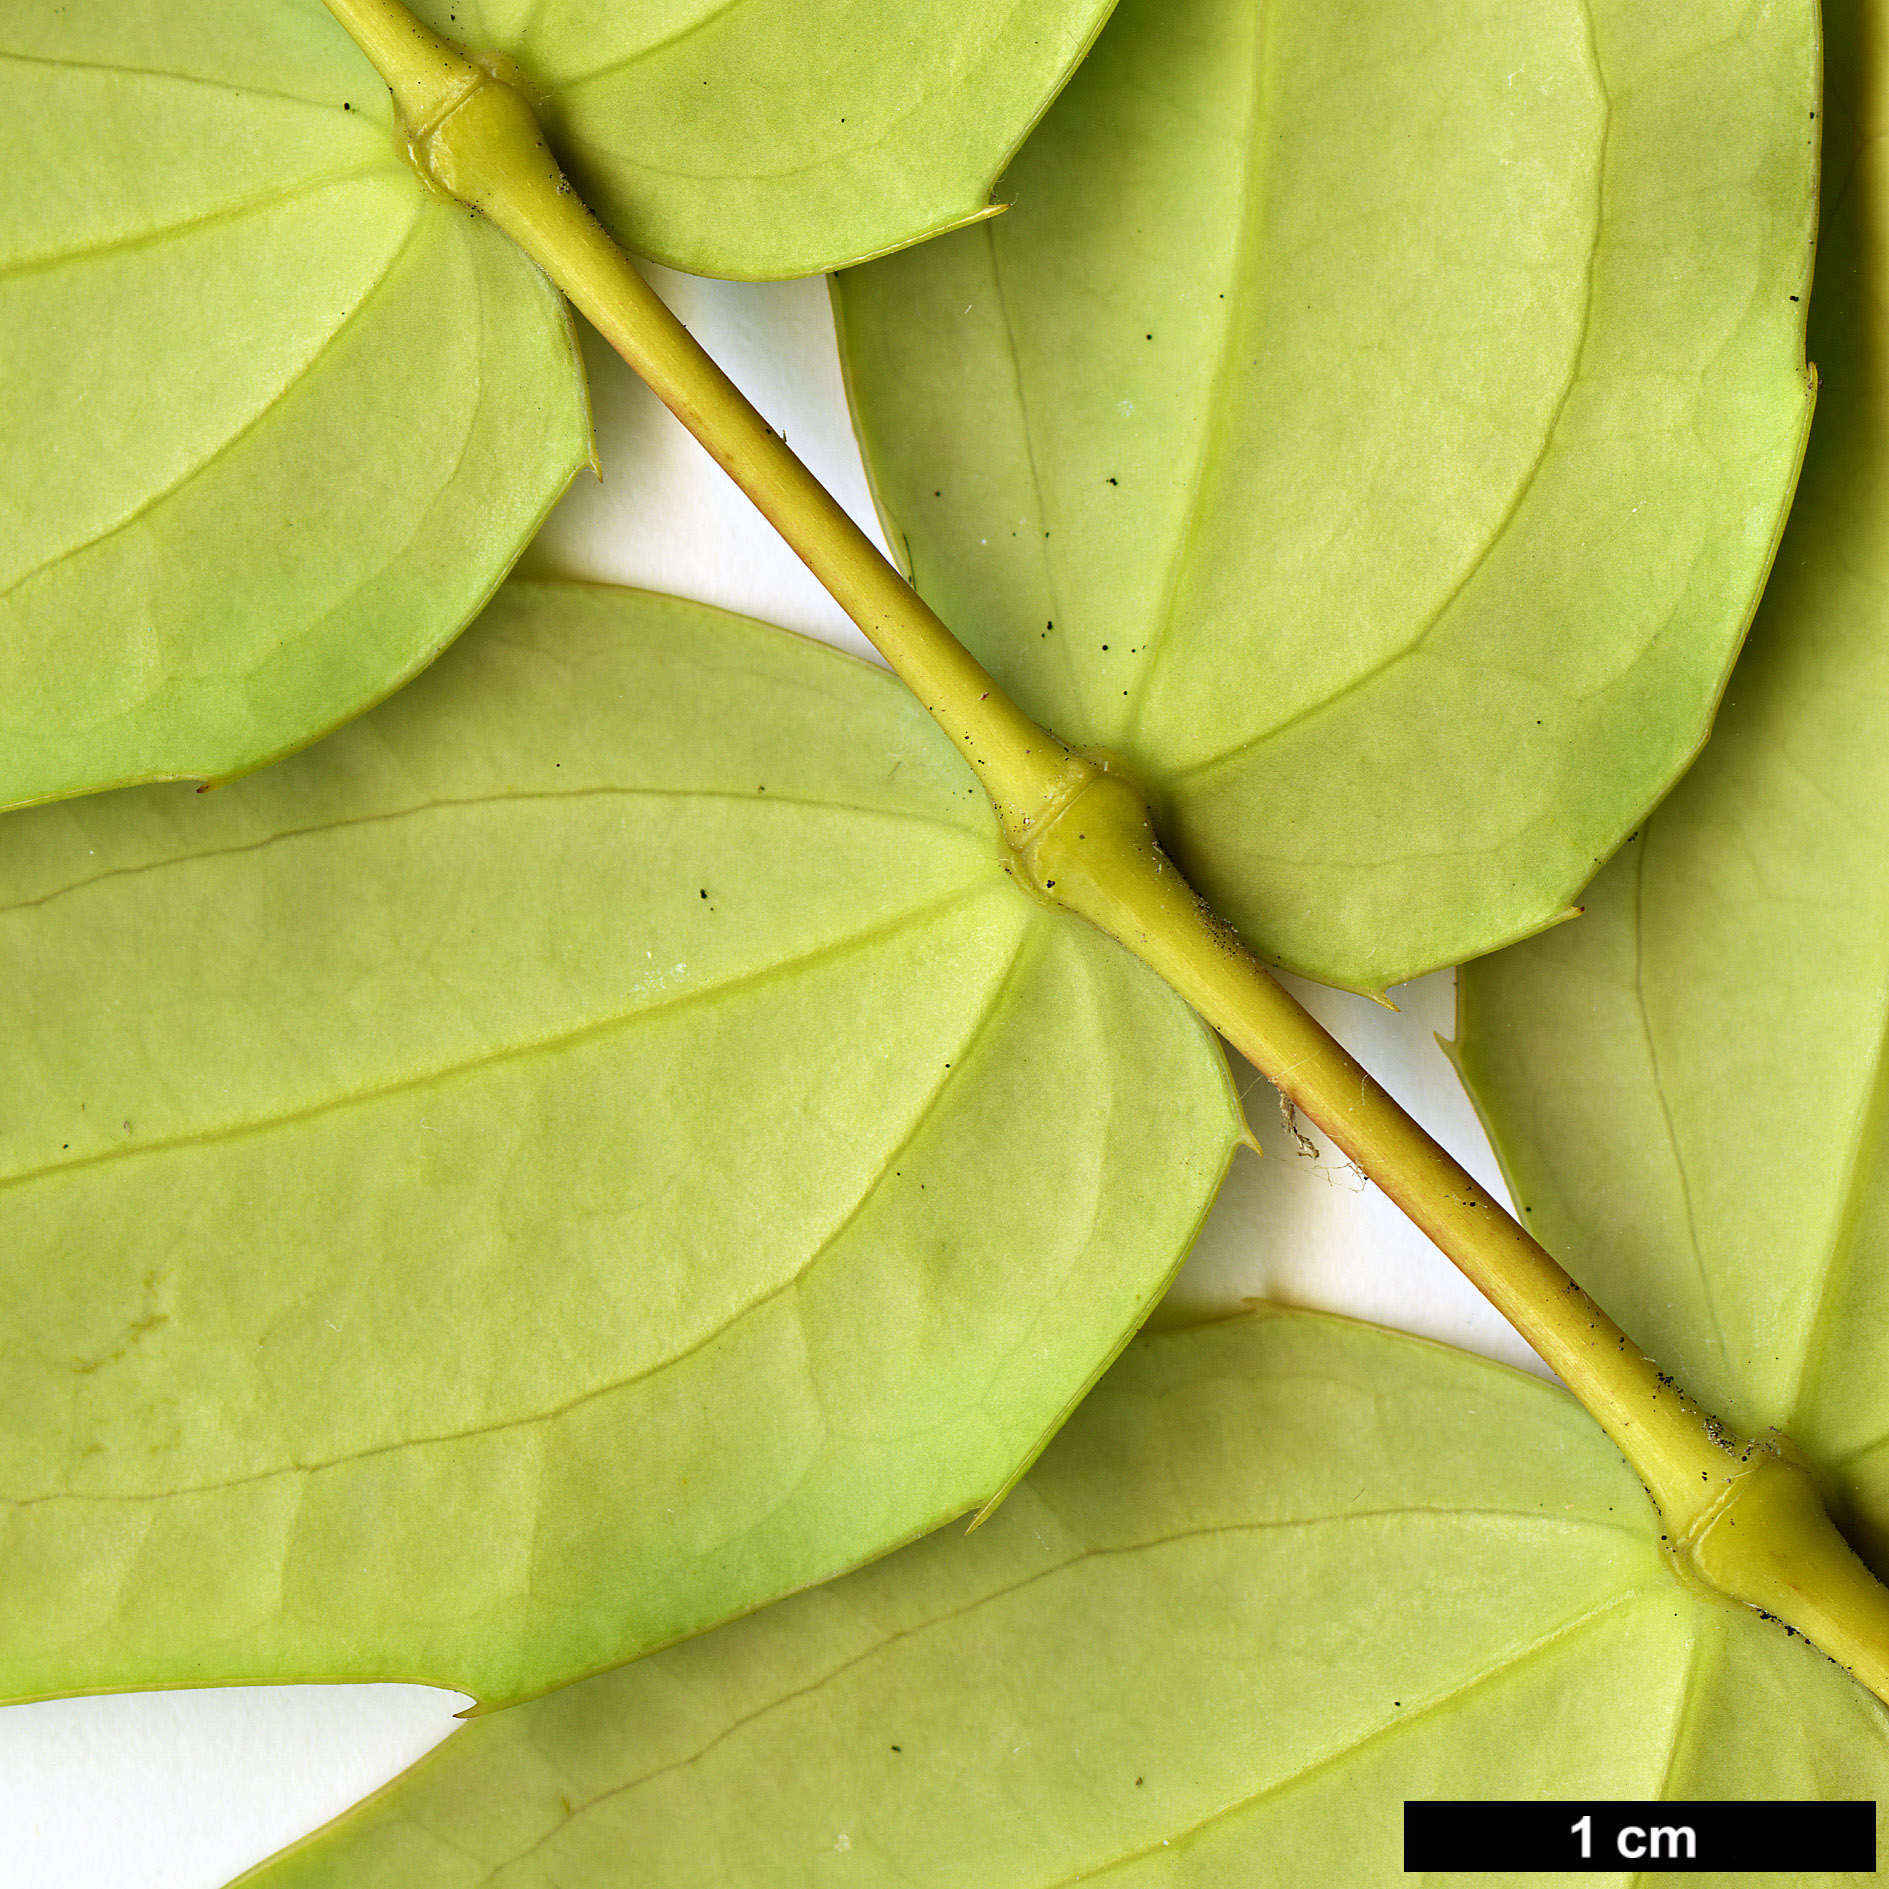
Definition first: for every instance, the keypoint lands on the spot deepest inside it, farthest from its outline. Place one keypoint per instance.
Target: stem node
(1765, 1539)
(1745, 1520)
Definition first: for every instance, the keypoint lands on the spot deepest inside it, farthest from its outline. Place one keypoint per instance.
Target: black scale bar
(1730, 1838)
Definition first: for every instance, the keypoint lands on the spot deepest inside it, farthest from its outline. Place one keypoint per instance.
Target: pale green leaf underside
(591, 1147)
(273, 420)
(1375, 422)
(1275, 1577)
(1687, 1085)
(758, 138)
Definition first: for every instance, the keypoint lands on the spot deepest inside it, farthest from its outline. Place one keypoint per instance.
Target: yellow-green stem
(1743, 1519)
(477, 138)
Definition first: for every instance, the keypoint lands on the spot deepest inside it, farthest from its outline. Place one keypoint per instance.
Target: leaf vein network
(953, 1072)
(1861, 1162)
(1552, 426)
(226, 446)
(594, 1029)
(651, 50)
(449, 804)
(1069, 1565)
(1655, 1071)
(1525, 1656)
(51, 259)
(243, 90)
(1045, 517)
(1213, 433)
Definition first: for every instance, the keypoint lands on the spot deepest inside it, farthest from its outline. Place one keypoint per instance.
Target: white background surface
(184, 1790)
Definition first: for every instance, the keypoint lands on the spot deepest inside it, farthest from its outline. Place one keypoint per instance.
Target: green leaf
(274, 420)
(782, 137)
(1687, 1087)
(1276, 1577)
(1375, 422)
(585, 1150)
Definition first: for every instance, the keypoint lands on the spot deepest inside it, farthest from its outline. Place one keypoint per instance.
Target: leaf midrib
(548, 1044)
(228, 444)
(1041, 493)
(1654, 1070)
(1390, 1728)
(1212, 434)
(652, 49)
(951, 1073)
(1577, 356)
(244, 90)
(1074, 1561)
(1859, 1171)
(506, 797)
(11, 268)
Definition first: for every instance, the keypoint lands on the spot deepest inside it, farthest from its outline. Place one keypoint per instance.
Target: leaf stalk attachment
(1743, 1520)
(476, 137)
